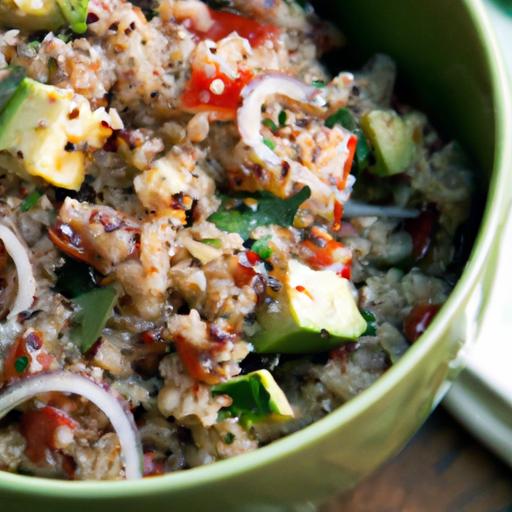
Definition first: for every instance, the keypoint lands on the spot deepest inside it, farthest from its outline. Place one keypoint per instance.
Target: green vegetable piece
(270, 210)
(44, 15)
(74, 279)
(392, 140)
(75, 13)
(282, 118)
(269, 143)
(371, 322)
(10, 79)
(95, 309)
(256, 397)
(213, 242)
(30, 201)
(261, 248)
(317, 312)
(21, 364)
(270, 124)
(342, 117)
(319, 84)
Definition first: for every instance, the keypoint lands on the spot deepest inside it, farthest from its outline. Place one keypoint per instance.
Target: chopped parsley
(268, 210)
(31, 200)
(21, 364)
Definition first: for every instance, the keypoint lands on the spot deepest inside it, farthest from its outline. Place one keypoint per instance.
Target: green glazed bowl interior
(447, 54)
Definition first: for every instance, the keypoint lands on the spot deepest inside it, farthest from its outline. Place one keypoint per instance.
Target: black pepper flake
(19, 154)
(154, 94)
(69, 147)
(114, 27)
(324, 333)
(285, 169)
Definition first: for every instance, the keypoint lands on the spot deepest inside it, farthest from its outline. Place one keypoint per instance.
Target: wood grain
(443, 469)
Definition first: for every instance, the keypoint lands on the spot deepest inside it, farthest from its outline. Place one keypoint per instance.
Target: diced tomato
(321, 251)
(152, 467)
(419, 319)
(421, 230)
(224, 23)
(198, 97)
(39, 426)
(25, 350)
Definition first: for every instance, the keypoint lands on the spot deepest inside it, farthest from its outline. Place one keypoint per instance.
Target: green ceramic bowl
(447, 54)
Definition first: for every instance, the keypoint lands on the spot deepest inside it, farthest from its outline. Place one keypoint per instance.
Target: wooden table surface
(443, 469)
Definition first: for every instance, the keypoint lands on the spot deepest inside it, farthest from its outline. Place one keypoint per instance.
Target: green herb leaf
(74, 279)
(10, 79)
(214, 242)
(31, 200)
(21, 364)
(319, 84)
(95, 309)
(371, 322)
(269, 210)
(282, 118)
(261, 248)
(343, 117)
(269, 124)
(269, 143)
(251, 401)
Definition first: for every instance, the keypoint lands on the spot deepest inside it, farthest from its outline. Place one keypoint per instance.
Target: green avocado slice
(315, 311)
(391, 137)
(44, 15)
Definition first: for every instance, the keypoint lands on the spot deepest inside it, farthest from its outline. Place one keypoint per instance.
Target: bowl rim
(485, 242)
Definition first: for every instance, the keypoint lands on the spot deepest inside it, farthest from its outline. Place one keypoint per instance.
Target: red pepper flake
(300, 289)
(419, 319)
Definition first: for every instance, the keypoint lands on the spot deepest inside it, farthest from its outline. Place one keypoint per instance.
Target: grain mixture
(206, 225)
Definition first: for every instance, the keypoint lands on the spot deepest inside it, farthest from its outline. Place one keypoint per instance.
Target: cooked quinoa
(219, 165)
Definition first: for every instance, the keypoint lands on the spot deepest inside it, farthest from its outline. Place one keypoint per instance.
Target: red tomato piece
(39, 426)
(419, 319)
(198, 97)
(224, 23)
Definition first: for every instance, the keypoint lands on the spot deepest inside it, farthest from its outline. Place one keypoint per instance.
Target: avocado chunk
(392, 140)
(314, 312)
(256, 397)
(45, 131)
(30, 16)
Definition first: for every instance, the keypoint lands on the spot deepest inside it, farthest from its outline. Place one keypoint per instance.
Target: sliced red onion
(67, 382)
(26, 282)
(256, 93)
(358, 209)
